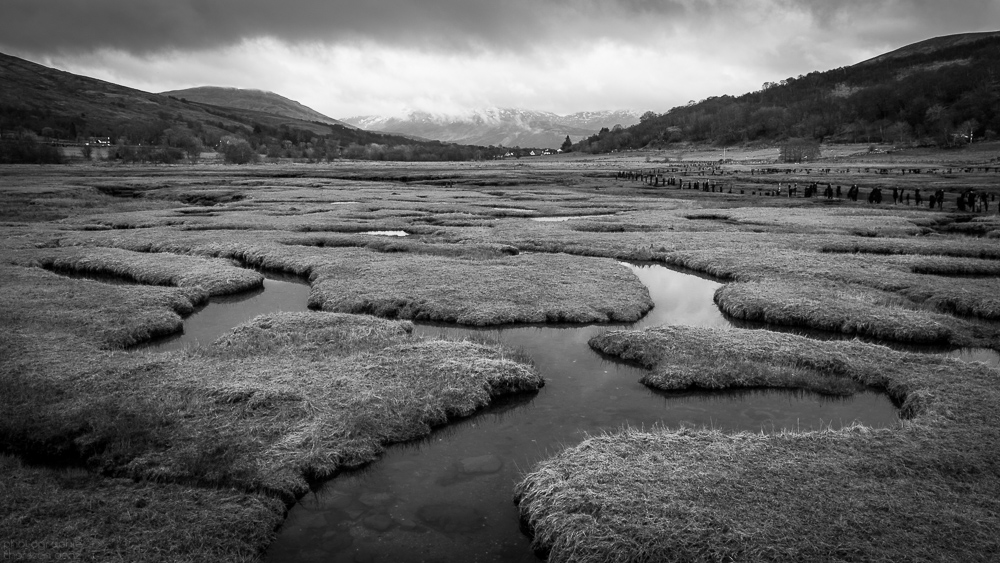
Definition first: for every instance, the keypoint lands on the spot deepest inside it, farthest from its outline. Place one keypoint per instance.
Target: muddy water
(448, 497)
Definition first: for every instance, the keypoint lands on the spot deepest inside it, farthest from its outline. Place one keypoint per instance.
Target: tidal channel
(448, 497)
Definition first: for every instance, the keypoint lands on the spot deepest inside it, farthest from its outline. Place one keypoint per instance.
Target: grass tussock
(841, 308)
(974, 297)
(681, 358)
(925, 246)
(696, 495)
(392, 244)
(212, 276)
(282, 399)
(73, 514)
(107, 316)
(926, 491)
(955, 267)
(520, 289)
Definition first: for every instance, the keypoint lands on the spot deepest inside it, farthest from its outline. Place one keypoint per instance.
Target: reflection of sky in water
(985, 355)
(386, 233)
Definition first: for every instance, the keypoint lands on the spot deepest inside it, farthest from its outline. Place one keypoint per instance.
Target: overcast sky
(358, 57)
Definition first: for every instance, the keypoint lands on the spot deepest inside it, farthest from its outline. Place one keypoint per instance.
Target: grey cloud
(148, 26)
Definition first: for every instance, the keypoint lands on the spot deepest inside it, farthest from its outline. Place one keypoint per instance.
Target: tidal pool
(448, 497)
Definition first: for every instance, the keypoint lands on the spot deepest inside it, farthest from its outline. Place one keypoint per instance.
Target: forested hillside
(946, 92)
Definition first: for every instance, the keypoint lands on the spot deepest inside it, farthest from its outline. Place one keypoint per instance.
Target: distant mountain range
(498, 126)
(254, 100)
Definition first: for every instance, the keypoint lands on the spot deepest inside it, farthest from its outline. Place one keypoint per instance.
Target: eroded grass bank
(926, 491)
(213, 435)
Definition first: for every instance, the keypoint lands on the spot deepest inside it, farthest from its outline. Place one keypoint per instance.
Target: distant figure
(917, 200)
(895, 196)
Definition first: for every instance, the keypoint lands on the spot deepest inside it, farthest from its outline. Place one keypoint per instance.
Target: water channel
(448, 497)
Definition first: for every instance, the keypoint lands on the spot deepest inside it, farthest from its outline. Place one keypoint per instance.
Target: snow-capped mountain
(497, 126)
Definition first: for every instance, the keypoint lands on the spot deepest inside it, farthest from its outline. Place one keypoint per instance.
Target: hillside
(943, 91)
(498, 126)
(56, 106)
(254, 100)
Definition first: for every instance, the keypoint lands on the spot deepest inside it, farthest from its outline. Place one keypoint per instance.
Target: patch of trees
(944, 97)
(799, 150)
(27, 148)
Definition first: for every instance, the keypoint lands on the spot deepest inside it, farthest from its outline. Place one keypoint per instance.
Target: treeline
(945, 97)
(28, 149)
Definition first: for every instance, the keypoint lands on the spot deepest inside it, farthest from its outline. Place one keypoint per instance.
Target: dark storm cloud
(143, 26)
(899, 22)
(150, 26)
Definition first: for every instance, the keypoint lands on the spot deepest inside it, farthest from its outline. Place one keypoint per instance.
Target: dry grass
(212, 276)
(927, 491)
(696, 495)
(75, 515)
(286, 398)
(932, 246)
(842, 308)
(526, 288)
(110, 316)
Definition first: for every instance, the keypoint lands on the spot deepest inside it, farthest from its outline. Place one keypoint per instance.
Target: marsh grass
(933, 246)
(283, 398)
(924, 491)
(681, 359)
(106, 315)
(518, 289)
(697, 495)
(850, 310)
(73, 514)
(471, 251)
(212, 276)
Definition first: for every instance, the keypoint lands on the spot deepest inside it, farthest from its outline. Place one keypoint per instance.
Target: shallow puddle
(386, 233)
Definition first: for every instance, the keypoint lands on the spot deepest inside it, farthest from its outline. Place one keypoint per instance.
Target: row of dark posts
(967, 201)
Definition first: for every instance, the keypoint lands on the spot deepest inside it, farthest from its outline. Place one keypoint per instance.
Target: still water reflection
(448, 497)
(281, 293)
